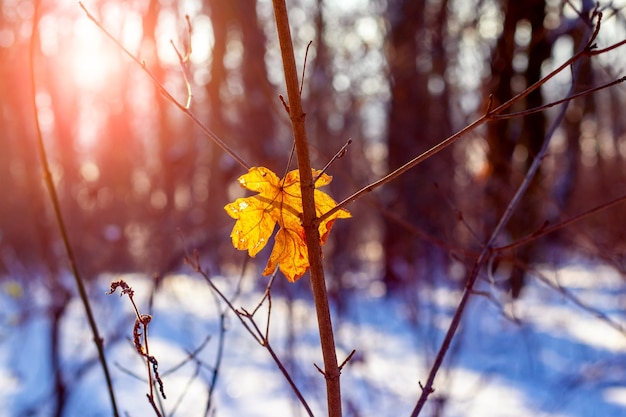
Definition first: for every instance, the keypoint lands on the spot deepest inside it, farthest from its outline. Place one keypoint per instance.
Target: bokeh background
(141, 186)
(139, 182)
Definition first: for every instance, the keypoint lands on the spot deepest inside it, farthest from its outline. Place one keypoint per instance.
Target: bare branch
(248, 322)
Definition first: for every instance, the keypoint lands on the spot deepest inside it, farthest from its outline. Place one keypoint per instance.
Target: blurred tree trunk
(513, 143)
(257, 129)
(26, 244)
(18, 164)
(575, 115)
(418, 119)
(176, 152)
(322, 107)
(221, 13)
(240, 108)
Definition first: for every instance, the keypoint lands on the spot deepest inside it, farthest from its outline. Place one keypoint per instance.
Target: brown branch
(556, 103)
(404, 168)
(309, 221)
(347, 359)
(607, 49)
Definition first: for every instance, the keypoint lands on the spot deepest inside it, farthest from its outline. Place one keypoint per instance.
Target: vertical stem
(318, 282)
(61, 223)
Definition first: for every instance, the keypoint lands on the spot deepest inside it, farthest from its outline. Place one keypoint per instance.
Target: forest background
(134, 174)
(141, 185)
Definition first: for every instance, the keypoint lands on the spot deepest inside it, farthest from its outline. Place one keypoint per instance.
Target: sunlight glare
(202, 39)
(93, 61)
(369, 30)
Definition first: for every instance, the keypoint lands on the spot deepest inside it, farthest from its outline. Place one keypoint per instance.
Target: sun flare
(93, 63)
(80, 52)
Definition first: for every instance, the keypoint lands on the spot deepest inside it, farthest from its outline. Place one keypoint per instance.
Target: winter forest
(468, 155)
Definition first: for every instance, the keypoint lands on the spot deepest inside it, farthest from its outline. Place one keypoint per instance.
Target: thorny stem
(309, 221)
(61, 223)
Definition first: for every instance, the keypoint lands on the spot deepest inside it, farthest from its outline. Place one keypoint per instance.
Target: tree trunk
(418, 119)
(508, 138)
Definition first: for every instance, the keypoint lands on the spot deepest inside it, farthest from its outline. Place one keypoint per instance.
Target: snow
(543, 355)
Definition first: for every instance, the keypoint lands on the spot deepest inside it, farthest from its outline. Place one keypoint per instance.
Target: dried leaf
(279, 201)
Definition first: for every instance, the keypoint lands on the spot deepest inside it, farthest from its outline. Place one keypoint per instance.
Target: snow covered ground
(544, 355)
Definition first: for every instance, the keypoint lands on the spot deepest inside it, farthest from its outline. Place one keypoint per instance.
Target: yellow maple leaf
(279, 201)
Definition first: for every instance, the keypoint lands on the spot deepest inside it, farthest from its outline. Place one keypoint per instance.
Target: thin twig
(251, 326)
(404, 168)
(340, 154)
(269, 308)
(191, 356)
(285, 105)
(545, 230)
(306, 55)
(194, 262)
(218, 362)
(556, 103)
(346, 360)
(182, 61)
(607, 49)
(140, 341)
(47, 174)
(186, 389)
(563, 291)
(266, 293)
(221, 340)
(291, 382)
(580, 304)
(155, 408)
